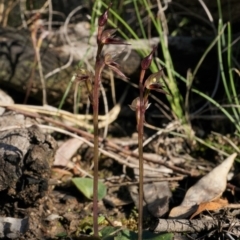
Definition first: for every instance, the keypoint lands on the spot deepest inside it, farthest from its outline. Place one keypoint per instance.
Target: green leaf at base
(85, 186)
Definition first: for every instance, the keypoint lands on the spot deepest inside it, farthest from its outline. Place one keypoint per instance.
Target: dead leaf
(207, 189)
(5, 99)
(115, 201)
(66, 151)
(210, 206)
(156, 197)
(182, 212)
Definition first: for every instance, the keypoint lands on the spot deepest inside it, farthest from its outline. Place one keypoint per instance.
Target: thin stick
(50, 8)
(40, 68)
(140, 152)
(111, 144)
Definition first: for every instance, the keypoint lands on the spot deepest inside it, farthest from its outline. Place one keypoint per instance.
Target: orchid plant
(92, 82)
(140, 105)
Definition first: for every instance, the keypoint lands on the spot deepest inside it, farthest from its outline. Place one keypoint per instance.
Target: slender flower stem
(140, 150)
(98, 70)
(104, 36)
(95, 179)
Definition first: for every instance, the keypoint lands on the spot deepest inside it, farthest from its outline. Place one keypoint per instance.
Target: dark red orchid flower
(153, 82)
(113, 65)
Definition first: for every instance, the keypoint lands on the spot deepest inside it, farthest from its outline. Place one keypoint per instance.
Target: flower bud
(102, 20)
(146, 62)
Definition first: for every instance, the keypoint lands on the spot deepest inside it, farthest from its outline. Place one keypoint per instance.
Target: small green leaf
(116, 233)
(85, 186)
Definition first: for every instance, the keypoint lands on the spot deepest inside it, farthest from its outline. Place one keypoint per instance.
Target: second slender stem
(98, 70)
(140, 207)
(140, 150)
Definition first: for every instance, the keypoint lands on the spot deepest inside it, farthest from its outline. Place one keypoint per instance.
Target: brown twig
(191, 226)
(147, 181)
(89, 136)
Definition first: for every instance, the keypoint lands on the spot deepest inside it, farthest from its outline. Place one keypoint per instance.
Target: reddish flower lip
(152, 82)
(113, 65)
(108, 37)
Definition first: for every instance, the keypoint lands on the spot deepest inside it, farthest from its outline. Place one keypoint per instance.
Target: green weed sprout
(140, 105)
(92, 82)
